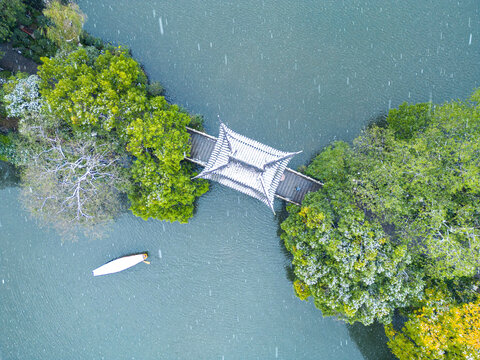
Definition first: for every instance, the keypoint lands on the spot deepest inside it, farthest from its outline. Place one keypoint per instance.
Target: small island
(390, 235)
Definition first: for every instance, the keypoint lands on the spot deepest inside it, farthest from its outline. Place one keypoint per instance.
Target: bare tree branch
(74, 182)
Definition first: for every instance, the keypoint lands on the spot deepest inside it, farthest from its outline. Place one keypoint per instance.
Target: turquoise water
(295, 75)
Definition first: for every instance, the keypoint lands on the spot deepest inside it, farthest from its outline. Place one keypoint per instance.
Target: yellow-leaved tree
(67, 24)
(439, 330)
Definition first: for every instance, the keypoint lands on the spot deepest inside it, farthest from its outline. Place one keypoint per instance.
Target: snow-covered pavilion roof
(246, 165)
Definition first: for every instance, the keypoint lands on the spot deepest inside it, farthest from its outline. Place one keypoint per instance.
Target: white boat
(120, 264)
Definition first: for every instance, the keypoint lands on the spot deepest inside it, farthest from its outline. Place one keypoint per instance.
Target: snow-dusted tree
(73, 182)
(69, 178)
(24, 103)
(342, 258)
(24, 99)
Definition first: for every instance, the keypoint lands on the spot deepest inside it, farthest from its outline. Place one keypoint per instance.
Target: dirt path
(14, 61)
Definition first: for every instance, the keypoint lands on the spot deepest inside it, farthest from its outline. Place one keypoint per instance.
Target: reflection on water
(293, 75)
(371, 341)
(8, 175)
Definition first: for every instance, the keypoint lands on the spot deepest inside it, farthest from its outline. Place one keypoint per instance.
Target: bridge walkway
(292, 188)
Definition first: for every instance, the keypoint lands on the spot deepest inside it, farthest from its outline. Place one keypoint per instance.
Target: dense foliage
(344, 259)
(10, 12)
(90, 131)
(401, 204)
(7, 148)
(92, 91)
(24, 26)
(23, 98)
(69, 178)
(107, 95)
(159, 143)
(427, 185)
(441, 329)
(67, 24)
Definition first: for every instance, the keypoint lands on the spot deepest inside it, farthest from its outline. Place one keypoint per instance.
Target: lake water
(293, 74)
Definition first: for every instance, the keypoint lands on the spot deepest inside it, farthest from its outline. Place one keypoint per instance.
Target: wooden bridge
(292, 187)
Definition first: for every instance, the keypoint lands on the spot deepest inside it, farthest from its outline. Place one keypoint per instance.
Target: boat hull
(120, 264)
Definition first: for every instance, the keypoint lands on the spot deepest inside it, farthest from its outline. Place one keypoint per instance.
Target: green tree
(405, 197)
(94, 92)
(159, 141)
(67, 24)
(69, 178)
(407, 120)
(7, 148)
(10, 11)
(106, 95)
(342, 258)
(427, 187)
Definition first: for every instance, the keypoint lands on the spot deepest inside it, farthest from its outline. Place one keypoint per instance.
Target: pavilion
(246, 165)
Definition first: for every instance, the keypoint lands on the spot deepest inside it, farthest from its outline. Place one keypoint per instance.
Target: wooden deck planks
(293, 188)
(202, 146)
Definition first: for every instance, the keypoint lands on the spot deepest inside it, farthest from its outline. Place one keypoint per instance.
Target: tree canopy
(399, 206)
(89, 90)
(440, 329)
(340, 256)
(427, 185)
(10, 11)
(67, 24)
(107, 94)
(69, 178)
(74, 182)
(159, 143)
(90, 131)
